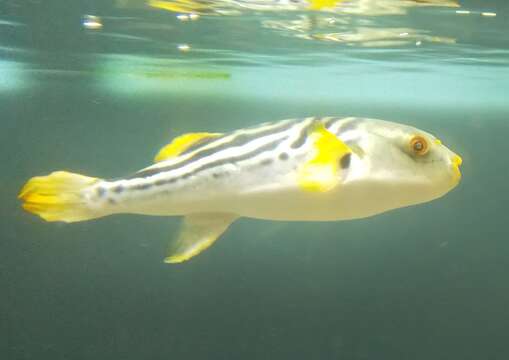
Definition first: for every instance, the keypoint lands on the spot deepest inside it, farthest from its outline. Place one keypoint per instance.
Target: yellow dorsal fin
(182, 143)
(321, 172)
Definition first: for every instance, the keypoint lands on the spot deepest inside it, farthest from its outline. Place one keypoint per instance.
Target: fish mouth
(456, 162)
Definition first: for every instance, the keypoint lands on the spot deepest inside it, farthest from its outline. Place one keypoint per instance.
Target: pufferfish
(311, 169)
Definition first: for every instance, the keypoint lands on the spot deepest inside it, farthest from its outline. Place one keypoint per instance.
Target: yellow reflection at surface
(180, 6)
(323, 4)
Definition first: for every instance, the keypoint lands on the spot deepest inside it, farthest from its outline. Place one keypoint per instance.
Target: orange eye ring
(419, 145)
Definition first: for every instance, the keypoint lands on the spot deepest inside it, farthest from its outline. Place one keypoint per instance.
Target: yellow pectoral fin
(182, 143)
(321, 172)
(198, 232)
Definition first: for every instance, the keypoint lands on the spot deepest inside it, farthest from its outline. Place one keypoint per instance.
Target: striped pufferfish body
(312, 169)
(250, 172)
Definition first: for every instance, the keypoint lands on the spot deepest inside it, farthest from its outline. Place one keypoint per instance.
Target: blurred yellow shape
(181, 6)
(323, 4)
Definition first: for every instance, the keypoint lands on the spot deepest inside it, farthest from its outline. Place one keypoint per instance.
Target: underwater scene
(268, 179)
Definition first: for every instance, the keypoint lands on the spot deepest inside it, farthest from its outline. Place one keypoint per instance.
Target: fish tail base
(58, 196)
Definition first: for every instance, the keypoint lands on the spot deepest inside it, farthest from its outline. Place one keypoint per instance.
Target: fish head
(401, 165)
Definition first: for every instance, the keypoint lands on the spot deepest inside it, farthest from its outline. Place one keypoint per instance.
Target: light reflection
(468, 12)
(91, 22)
(184, 47)
(12, 76)
(10, 23)
(187, 17)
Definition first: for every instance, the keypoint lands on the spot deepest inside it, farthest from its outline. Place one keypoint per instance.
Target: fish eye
(419, 145)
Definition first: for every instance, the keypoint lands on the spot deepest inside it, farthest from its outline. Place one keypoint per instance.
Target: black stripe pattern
(217, 163)
(241, 139)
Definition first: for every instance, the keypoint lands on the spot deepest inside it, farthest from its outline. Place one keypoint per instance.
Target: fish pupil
(418, 146)
(345, 161)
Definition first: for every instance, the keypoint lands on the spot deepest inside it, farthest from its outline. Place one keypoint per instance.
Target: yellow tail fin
(58, 196)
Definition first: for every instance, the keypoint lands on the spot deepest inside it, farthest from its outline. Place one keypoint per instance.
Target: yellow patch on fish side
(57, 197)
(182, 143)
(321, 173)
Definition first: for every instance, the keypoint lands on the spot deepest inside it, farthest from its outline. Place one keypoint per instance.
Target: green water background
(426, 282)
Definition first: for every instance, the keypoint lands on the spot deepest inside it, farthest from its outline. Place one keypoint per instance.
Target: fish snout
(456, 162)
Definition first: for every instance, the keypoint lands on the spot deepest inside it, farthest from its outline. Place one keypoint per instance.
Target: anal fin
(198, 232)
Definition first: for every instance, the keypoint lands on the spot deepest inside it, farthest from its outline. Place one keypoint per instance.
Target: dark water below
(426, 282)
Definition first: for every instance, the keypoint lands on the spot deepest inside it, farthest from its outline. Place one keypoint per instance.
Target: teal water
(100, 95)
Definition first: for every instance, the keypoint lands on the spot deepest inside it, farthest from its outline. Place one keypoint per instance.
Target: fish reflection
(309, 28)
(324, 20)
(359, 7)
